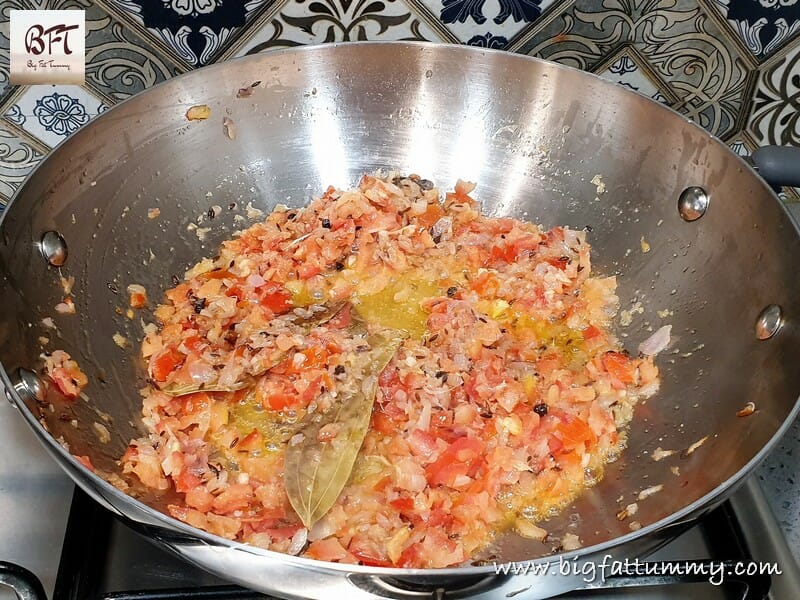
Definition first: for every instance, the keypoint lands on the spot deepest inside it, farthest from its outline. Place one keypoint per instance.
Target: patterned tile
(629, 70)
(486, 23)
(50, 113)
(196, 31)
(775, 116)
(5, 15)
(763, 25)
(300, 22)
(17, 159)
(680, 43)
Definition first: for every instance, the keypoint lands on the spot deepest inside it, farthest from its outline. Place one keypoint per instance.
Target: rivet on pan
(54, 248)
(769, 322)
(693, 203)
(28, 385)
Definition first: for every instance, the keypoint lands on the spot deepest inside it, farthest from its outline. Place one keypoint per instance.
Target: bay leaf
(315, 472)
(183, 389)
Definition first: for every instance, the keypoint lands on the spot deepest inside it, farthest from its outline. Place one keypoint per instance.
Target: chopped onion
(570, 541)
(255, 280)
(442, 226)
(656, 342)
(299, 540)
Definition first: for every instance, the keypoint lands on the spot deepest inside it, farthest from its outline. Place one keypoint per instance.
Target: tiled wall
(731, 65)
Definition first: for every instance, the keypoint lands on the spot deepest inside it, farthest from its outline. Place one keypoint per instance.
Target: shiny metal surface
(533, 135)
(28, 385)
(54, 248)
(769, 322)
(693, 203)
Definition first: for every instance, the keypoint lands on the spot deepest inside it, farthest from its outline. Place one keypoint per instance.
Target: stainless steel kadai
(723, 260)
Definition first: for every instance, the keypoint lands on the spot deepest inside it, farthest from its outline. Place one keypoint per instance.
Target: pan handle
(778, 165)
(24, 583)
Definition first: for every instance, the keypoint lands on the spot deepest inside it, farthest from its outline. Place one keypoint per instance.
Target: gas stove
(82, 552)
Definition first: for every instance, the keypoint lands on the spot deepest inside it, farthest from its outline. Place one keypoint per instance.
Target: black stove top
(102, 559)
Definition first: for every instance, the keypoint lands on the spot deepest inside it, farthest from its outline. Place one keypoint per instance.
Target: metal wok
(533, 135)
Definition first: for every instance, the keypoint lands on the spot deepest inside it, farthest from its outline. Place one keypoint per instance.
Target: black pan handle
(24, 583)
(778, 165)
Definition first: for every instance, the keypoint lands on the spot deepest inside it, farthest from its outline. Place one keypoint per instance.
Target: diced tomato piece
(343, 318)
(559, 262)
(252, 441)
(486, 285)
(236, 497)
(165, 363)
(308, 270)
(382, 422)
(235, 291)
(619, 366)
(281, 400)
(315, 357)
(433, 213)
(328, 549)
(194, 343)
(137, 300)
(382, 484)
(458, 459)
(368, 553)
(218, 274)
(403, 504)
(191, 403)
(85, 461)
(275, 297)
(574, 432)
(409, 557)
(200, 498)
(186, 481)
(591, 332)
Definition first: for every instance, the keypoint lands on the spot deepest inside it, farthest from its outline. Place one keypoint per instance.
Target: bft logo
(37, 38)
(48, 46)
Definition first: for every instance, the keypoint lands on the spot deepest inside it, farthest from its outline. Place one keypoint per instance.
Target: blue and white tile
(487, 23)
(763, 25)
(52, 113)
(196, 31)
(625, 71)
(339, 21)
(17, 158)
(774, 114)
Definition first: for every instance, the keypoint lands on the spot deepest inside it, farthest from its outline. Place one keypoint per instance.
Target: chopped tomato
(368, 552)
(252, 441)
(619, 366)
(591, 332)
(165, 363)
(85, 461)
(403, 504)
(137, 300)
(314, 357)
(574, 432)
(328, 549)
(457, 460)
(194, 343)
(433, 213)
(186, 481)
(275, 297)
(281, 400)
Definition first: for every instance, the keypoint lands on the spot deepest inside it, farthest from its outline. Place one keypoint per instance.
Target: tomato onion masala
(385, 377)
